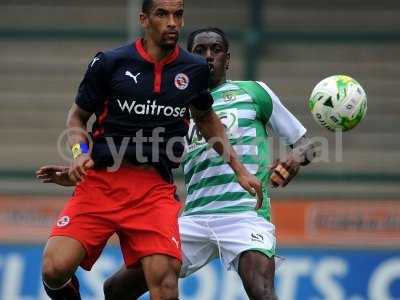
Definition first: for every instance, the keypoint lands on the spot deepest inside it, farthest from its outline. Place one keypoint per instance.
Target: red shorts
(135, 203)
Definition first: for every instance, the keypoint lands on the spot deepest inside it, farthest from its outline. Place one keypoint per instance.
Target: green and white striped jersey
(244, 108)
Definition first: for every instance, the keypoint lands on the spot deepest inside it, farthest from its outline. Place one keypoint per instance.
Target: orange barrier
(299, 222)
(338, 223)
(28, 219)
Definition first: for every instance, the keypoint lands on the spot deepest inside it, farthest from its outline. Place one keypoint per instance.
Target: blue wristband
(84, 148)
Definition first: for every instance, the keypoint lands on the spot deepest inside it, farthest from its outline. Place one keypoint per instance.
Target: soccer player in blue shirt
(140, 94)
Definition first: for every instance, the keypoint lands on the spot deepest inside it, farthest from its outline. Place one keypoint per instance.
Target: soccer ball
(338, 103)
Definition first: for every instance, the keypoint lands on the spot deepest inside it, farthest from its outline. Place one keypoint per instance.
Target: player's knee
(261, 287)
(169, 287)
(162, 279)
(55, 272)
(263, 293)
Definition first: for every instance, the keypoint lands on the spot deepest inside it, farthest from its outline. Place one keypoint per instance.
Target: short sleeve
(92, 90)
(202, 99)
(282, 122)
(260, 97)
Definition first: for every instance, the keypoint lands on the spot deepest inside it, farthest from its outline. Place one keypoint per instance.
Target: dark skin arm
(76, 125)
(282, 172)
(70, 176)
(213, 131)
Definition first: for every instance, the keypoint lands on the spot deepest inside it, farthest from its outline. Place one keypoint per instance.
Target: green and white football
(338, 103)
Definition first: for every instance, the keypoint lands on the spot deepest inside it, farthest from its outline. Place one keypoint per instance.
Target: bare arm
(77, 134)
(213, 131)
(304, 151)
(76, 125)
(282, 172)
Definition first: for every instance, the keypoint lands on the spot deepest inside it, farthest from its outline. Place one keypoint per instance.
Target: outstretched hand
(55, 174)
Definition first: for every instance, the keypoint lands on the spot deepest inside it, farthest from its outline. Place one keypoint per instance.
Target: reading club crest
(182, 81)
(63, 221)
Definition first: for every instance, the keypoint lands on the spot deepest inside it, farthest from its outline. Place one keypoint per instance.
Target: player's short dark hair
(146, 6)
(216, 30)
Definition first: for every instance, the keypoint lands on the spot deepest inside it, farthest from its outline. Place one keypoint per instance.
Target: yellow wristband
(76, 151)
(79, 149)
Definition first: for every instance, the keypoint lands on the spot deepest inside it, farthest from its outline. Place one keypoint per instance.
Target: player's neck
(219, 83)
(156, 52)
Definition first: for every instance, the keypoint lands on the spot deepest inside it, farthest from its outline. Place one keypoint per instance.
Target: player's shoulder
(104, 61)
(258, 90)
(108, 56)
(249, 85)
(258, 86)
(118, 53)
(193, 59)
(267, 89)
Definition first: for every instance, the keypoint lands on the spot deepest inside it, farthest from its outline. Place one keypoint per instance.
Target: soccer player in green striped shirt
(219, 217)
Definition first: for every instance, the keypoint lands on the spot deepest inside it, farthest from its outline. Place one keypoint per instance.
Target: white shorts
(205, 237)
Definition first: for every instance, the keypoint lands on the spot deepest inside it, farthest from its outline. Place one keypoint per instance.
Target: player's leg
(125, 284)
(148, 231)
(128, 284)
(77, 238)
(161, 273)
(257, 272)
(61, 258)
(197, 249)
(247, 244)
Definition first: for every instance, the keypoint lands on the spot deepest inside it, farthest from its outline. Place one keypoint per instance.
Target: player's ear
(228, 61)
(143, 19)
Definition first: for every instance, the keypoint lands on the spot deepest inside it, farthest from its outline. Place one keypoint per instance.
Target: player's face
(211, 46)
(164, 22)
